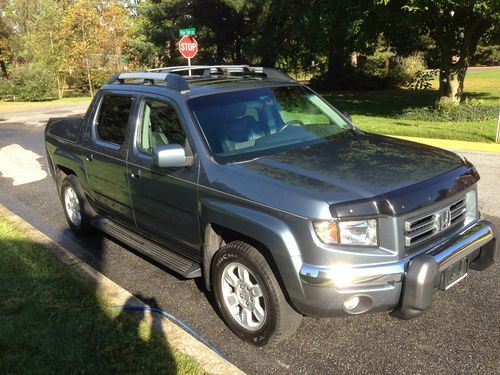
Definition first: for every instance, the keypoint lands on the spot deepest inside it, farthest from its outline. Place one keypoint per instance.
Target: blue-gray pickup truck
(252, 181)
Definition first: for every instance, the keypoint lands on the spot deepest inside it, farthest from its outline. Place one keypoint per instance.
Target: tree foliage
(84, 41)
(94, 34)
(6, 32)
(360, 43)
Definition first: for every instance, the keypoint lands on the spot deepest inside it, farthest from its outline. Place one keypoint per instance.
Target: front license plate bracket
(454, 273)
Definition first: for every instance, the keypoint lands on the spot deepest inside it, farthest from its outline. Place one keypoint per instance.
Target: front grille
(422, 228)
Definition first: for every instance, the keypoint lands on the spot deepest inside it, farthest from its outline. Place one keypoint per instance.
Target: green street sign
(190, 31)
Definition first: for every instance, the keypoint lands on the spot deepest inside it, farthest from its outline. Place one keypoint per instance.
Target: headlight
(359, 232)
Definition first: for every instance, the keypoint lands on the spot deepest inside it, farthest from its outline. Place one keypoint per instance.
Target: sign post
(188, 46)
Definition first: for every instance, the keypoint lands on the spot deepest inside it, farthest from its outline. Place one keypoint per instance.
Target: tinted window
(160, 126)
(113, 117)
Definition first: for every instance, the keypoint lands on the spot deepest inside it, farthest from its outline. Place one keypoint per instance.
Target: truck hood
(356, 174)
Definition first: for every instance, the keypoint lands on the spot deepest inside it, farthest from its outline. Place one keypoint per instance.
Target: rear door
(164, 199)
(105, 156)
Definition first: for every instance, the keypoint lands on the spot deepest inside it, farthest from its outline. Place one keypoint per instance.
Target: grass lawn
(51, 321)
(378, 111)
(14, 106)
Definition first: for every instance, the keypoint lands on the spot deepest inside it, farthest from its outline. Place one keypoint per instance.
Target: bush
(376, 65)
(29, 83)
(406, 70)
(469, 110)
(486, 56)
(353, 79)
(5, 88)
(423, 79)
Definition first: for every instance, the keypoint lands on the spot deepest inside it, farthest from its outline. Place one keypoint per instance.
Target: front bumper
(406, 285)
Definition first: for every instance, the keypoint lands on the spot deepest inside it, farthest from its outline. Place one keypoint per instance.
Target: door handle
(90, 157)
(136, 175)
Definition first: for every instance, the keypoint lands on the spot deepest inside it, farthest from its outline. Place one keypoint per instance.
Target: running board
(184, 266)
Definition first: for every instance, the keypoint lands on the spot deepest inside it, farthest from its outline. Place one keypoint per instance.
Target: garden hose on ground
(179, 322)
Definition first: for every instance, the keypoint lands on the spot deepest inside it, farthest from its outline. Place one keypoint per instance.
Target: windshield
(248, 124)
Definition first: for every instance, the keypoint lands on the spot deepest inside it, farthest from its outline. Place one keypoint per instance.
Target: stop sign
(188, 46)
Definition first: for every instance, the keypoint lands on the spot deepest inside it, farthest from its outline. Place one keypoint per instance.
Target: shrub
(30, 83)
(5, 88)
(376, 65)
(486, 56)
(406, 70)
(423, 79)
(469, 110)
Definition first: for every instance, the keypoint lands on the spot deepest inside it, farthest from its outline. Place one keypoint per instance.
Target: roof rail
(173, 81)
(244, 70)
(177, 82)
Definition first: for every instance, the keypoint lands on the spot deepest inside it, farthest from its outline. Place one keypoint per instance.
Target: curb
(448, 143)
(117, 296)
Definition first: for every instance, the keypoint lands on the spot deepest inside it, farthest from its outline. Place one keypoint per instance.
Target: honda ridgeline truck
(252, 181)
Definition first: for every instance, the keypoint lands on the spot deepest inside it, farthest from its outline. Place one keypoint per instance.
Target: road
(460, 334)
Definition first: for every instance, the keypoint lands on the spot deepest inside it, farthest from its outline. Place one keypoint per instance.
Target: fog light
(351, 303)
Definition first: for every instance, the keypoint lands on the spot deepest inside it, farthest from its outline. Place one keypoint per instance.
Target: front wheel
(249, 297)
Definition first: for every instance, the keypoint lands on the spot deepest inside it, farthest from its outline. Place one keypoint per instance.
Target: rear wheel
(249, 297)
(76, 208)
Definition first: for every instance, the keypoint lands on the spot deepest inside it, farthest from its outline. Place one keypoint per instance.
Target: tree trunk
(173, 52)
(61, 82)
(337, 58)
(89, 79)
(451, 83)
(3, 67)
(454, 64)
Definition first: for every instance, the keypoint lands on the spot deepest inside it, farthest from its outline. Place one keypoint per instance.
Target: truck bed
(68, 128)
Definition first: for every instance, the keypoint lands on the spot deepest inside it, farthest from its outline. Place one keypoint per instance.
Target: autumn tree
(42, 42)
(94, 33)
(5, 34)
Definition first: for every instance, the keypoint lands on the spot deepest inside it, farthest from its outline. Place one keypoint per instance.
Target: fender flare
(263, 227)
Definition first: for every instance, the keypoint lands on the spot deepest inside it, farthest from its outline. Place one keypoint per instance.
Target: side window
(160, 126)
(112, 118)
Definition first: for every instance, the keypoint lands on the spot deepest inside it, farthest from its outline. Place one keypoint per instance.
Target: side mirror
(171, 156)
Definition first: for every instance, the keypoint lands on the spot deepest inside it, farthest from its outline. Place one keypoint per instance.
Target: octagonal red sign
(188, 46)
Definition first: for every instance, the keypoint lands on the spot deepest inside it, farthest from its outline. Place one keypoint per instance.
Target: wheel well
(64, 170)
(60, 173)
(216, 236)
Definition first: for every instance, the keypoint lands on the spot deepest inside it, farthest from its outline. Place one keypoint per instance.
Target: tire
(249, 297)
(76, 208)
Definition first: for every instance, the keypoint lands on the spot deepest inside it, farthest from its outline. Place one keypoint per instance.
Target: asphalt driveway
(460, 334)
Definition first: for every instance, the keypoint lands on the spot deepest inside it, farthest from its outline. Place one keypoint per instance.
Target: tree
(341, 24)
(42, 42)
(456, 26)
(222, 28)
(94, 33)
(159, 22)
(5, 34)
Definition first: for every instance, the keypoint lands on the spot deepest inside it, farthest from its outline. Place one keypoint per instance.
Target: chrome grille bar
(424, 227)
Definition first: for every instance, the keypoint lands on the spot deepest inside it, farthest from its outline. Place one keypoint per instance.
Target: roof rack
(228, 70)
(173, 80)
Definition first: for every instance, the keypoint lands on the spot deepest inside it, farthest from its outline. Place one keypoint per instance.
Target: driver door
(164, 200)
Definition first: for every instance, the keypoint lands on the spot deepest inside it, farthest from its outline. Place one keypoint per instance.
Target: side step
(184, 266)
